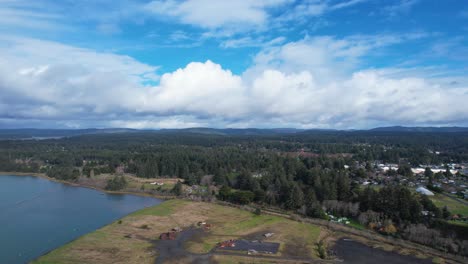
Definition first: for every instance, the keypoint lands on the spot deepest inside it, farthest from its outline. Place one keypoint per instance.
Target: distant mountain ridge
(33, 133)
(235, 131)
(420, 129)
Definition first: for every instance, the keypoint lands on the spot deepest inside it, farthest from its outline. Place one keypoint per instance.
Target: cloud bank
(311, 83)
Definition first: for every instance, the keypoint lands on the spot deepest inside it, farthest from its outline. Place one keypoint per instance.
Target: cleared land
(454, 206)
(133, 238)
(134, 184)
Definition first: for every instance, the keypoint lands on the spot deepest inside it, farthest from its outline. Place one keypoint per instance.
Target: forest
(315, 174)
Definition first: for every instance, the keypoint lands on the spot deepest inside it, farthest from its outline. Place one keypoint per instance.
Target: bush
(224, 193)
(63, 173)
(177, 190)
(258, 211)
(435, 189)
(321, 250)
(242, 197)
(116, 183)
(390, 229)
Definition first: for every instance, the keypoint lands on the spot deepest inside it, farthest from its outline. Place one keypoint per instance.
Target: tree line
(268, 170)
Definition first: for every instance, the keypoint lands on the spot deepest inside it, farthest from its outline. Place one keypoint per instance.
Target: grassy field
(453, 206)
(134, 184)
(130, 239)
(297, 239)
(137, 183)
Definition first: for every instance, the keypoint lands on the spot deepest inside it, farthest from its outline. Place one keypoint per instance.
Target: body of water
(353, 252)
(37, 215)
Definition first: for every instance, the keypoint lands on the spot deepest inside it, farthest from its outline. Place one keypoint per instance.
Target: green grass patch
(356, 224)
(454, 206)
(255, 220)
(151, 187)
(458, 223)
(56, 256)
(312, 232)
(164, 209)
(438, 260)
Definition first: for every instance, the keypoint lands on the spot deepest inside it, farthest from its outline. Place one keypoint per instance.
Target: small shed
(227, 244)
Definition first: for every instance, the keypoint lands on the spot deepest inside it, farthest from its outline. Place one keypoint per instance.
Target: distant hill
(420, 129)
(31, 133)
(234, 131)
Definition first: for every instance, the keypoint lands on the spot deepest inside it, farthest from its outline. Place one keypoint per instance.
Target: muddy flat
(174, 251)
(263, 247)
(352, 252)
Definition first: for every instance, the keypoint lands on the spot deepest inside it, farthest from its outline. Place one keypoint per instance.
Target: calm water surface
(37, 215)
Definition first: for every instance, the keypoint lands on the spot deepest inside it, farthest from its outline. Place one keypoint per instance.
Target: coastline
(44, 176)
(358, 235)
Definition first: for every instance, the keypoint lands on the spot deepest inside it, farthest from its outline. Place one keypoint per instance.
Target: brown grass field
(132, 239)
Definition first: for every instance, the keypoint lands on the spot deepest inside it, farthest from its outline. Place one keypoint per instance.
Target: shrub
(116, 183)
(321, 249)
(258, 211)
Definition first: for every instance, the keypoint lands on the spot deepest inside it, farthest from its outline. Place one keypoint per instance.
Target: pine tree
(445, 213)
(178, 189)
(295, 197)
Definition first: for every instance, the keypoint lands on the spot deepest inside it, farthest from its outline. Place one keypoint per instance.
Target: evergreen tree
(224, 193)
(177, 189)
(445, 213)
(295, 197)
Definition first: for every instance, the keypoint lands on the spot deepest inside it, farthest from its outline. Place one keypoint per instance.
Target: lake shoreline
(39, 199)
(44, 176)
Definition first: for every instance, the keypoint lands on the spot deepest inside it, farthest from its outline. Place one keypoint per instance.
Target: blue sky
(264, 63)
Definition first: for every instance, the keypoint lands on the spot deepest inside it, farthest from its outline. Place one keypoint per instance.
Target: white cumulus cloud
(215, 14)
(315, 82)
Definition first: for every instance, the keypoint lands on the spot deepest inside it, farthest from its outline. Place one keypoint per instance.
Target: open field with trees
(132, 239)
(330, 175)
(453, 204)
(135, 238)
